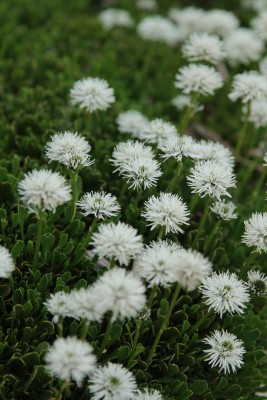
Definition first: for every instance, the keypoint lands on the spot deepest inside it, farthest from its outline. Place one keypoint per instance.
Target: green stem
(151, 297)
(165, 323)
(84, 329)
(139, 325)
(90, 232)
(249, 172)
(189, 112)
(193, 202)
(123, 190)
(38, 241)
(74, 178)
(250, 259)
(211, 235)
(161, 232)
(112, 262)
(202, 222)
(175, 177)
(106, 337)
(60, 327)
(243, 131)
(260, 182)
(200, 322)
(60, 392)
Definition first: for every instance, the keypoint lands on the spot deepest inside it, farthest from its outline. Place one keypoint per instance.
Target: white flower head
(243, 46)
(59, 305)
(226, 351)
(117, 241)
(167, 210)
(92, 94)
(258, 113)
(82, 304)
(148, 394)
(211, 178)
(114, 17)
(44, 190)
(157, 263)
(147, 5)
(198, 78)
(191, 268)
(70, 359)
(224, 292)
(132, 122)
(158, 130)
(259, 24)
(220, 22)
(177, 147)
(188, 20)
(120, 292)
(141, 172)
(263, 67)
(203, 47)
(183, 101)
(124, 152)
(70, 149)
(158, 29)
(255, 5)
(100, 204)
(257, 282)
(7, 265)
(208, 150)
(224, 209)
(256, 232)
(248, 86)
(112, 382)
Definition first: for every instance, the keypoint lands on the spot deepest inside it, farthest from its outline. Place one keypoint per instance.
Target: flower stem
(123, 190)
(189, 112)
(175, 177)
(200, 322)
(90, 232)
(84, 329)
(211, 235)
(161, 232)
(38, 241)
(202, 222)
(165, 323)
(139, 325)
(151, 297)
(73, 179)
(106, 337)
(243, 131)
(60, 392)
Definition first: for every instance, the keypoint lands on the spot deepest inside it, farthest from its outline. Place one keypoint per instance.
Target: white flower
(126, 151)
(117, 241)
(265, 160)
(257, 282)
(259, 24)
(178, 147)
(256, 232)
(140, 172)
(44, 190)
(191, 268)
(248, 86)
(243, 46)
(188, 20)
(198, 78)
(147, 394)
(208, 150)
(184, 101)
(258, 113)
(203, 47)
(114, 17)
(112, 382)
(224, 292)
(147, 5)
(263, 67)
(92, 94)
(70, 359)
(220, 22)
(256, 5)
(157, 263)
(120, 292)
(157, 28)
(226, 351)
(131, 122)
(211, 178)
(58, 304)
(101, 204)
(7, 265)
(158, 130)
(166, 210)
(224, 209)
(70, 149)
(82, 304)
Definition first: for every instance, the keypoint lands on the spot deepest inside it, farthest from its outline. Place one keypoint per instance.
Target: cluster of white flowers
(249, 86)
(256, 232)
(157, 130)
(259, 24)
(158, 29)
(100, 204)
(178, 147)
(132, 122)
(224, 209)
(208, 150)
(203, 47)
(114, 17)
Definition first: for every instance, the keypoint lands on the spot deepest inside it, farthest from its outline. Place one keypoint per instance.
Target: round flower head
(101, 204)
(255, 5)
(220, 22)
(199, 79)
(224, 209)
(147, 5)
(120, 292)
(158, 29)
(147, 394)
(184, 101)
(177, 147)
(191, 268)
(259, 24)
(203, 47)
(44, 190)
(59, 305)
(256, 232)
(92, 94)
(156, 264)
(243, 46)
(70, 149)
(211, 178)
(224, 293)
(7, 265)
(226, 351)
(263, 67)
(248, 86)
(83, 304)
(188, 20)
(124, 152)
(158, 130)
(208, 150)
(112, 382)
(120, 242)
(132, 122)
(114, 17)
(258, 113)
(140, 172)
(257, 282)
(70, 359)
(167, 210)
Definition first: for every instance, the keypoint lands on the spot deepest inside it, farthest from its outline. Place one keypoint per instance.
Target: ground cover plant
(133, 200)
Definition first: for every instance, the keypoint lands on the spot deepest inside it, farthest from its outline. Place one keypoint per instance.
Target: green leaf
(233, 391)
(48, 241)
(115, 333)
(199, 387)
(186, 325)
(31, 359)
(18, 296)
(17, 249)
(164, 306)
(123, 353)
